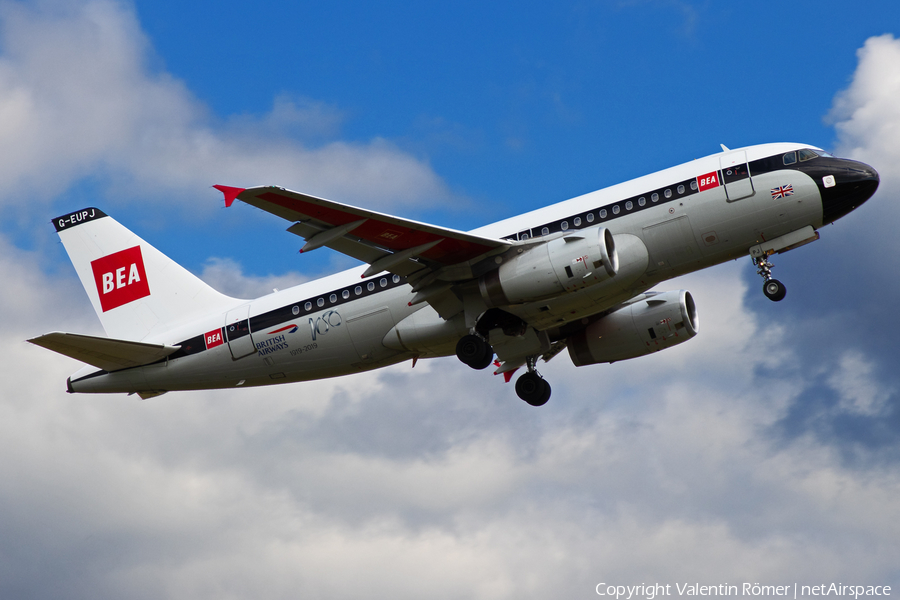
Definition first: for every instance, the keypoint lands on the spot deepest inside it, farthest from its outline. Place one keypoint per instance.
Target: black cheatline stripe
(328, 300)
(299, 309)
(613, 210)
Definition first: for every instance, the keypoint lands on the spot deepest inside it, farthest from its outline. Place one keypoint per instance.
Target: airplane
(577, 275)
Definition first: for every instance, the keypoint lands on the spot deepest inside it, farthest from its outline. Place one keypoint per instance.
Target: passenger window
(668, 193)
(790, 158)
(616, 209)
(345, 294)
(655, 197)
(629, 205)
(602, 213)
(320, 302)
(383, 282)
(806, 154)
(357, 290)
(564, 226)
(332, 298)
(642, 201)
(545, 231)
(308, 306)
(395, 279)
(576, 221)
(370, 286)
(694, 185)
(590, 217)
(680, 189)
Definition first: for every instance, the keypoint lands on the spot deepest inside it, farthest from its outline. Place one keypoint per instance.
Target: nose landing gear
(772, 288)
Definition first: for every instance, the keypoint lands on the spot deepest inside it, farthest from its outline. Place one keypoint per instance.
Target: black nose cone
(844, 184)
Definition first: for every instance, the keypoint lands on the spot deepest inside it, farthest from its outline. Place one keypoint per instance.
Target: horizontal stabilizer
(104, 353)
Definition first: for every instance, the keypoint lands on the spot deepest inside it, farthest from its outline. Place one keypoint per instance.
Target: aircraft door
(237, 332)
(736, 175)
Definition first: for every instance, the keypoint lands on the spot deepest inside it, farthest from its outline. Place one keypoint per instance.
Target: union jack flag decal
(782, 191)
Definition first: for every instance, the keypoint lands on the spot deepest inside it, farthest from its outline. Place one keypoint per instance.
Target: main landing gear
(474, 351)
(478, 354)
(772, 288)
(531, 387)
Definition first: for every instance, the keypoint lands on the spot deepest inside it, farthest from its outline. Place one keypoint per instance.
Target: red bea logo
(708, 181)
(120, 278)
(213, 338)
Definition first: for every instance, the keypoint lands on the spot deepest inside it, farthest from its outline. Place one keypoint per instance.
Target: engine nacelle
(565, 264)
(652, 323)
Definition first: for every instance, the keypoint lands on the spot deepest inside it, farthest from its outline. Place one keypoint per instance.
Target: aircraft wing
(104, 353)
(387, 243)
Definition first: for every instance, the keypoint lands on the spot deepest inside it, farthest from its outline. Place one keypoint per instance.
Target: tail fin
(136, 290)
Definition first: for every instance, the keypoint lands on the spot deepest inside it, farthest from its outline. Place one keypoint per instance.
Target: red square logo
(213, 338)
(120, 278)
(708, 181)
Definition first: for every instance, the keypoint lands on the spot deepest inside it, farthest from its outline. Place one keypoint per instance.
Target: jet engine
(646, 324)
(565, 264)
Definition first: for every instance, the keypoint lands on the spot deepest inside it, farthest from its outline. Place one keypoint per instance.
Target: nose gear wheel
(772, 288)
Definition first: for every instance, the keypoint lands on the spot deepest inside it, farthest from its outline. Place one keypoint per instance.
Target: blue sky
(765, 450)
(509, 106)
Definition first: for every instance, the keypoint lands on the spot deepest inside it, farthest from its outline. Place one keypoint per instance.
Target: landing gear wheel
(474, 351)
(533, 389)
(774, 290)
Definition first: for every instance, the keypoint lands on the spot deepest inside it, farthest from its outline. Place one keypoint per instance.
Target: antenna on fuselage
(725, 148)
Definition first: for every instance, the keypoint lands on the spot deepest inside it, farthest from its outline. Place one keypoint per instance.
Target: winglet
(230, 193)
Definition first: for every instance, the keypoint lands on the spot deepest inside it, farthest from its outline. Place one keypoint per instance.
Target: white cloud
(89, 104)
(866, 114)
(434, 482)
(227, 276)
(857, 387)
(866, 117)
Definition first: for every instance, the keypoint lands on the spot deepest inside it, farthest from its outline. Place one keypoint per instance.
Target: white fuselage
(667, 223)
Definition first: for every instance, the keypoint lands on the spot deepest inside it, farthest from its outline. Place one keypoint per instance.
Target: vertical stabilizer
(137, 291)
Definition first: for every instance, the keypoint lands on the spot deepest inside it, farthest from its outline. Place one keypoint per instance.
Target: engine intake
(650, 324)
(566, 264)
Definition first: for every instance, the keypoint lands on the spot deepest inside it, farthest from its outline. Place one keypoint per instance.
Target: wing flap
(104, 353)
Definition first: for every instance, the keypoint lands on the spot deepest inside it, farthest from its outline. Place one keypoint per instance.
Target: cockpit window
(806, 154)
(825, 154)
(790, 158)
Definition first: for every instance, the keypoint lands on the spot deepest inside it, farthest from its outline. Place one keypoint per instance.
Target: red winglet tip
(230, 193)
